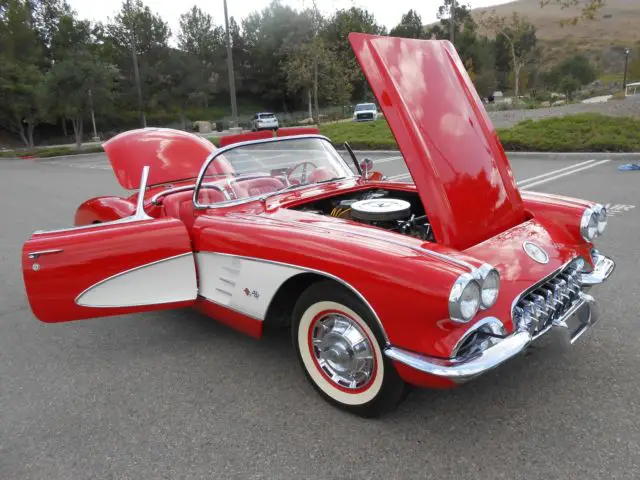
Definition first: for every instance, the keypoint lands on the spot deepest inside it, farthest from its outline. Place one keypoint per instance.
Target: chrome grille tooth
(551, 299)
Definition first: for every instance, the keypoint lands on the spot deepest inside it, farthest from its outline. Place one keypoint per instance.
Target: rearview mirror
(366, 165)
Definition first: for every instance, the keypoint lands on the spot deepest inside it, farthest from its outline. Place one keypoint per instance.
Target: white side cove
(242, 284)
(165, 281)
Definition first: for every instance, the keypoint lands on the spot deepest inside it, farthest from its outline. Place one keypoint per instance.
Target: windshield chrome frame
(216, 153)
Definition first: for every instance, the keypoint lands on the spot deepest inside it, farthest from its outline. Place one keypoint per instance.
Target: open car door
(131, 265)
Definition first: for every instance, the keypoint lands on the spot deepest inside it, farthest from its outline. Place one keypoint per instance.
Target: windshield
(266, 115)
(268, 167)
(365, 106)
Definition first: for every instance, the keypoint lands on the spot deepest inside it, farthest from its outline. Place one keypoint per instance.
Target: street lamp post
(232, 83)
(627, 51)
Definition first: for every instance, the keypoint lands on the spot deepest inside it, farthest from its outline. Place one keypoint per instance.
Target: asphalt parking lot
(176, 395)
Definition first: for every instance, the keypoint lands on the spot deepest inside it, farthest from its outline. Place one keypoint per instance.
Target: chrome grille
(550, 300)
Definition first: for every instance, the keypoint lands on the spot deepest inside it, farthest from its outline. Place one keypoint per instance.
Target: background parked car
(264, 121)
(365, 112)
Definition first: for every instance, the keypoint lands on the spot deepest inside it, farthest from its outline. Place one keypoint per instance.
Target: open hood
(446, 138)
(172, 155)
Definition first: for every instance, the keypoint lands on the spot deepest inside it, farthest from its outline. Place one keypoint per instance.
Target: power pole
(232, 82)
(136, 73)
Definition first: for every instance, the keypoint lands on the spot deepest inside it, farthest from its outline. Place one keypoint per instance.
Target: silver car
(264, 121)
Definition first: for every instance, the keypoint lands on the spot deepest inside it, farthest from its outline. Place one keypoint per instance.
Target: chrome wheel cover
(343, 351)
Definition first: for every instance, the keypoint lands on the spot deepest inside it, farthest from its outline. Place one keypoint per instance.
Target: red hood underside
(446, 138)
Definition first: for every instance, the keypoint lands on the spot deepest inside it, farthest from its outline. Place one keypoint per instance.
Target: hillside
(603, 40)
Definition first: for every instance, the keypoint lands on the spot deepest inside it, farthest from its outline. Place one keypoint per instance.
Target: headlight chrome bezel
(460, 286)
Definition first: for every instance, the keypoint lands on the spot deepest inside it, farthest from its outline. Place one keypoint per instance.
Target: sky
(387, 12)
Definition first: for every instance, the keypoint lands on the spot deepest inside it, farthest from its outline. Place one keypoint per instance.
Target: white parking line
(553, 172)
(400, 176)
(571, 172)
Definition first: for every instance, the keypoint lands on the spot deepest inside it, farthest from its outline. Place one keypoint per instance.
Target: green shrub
(588, 132)
(576, 133)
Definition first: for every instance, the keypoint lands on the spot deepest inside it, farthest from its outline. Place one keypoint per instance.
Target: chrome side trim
(500, 352)
(309, 270)
(76, 300)
(34, 255)
(245, 314)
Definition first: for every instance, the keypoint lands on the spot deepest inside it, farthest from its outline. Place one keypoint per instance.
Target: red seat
(180, 205)
(257, 186)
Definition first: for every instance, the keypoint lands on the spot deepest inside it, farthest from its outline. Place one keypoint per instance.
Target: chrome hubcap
(343, 351)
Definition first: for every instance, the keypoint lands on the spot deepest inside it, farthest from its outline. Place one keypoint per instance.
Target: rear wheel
(339, 346)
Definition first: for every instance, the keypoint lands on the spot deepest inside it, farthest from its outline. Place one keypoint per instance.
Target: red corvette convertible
(384, 285)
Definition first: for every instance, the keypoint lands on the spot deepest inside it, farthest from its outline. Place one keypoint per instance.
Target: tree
(336, 31)
(21, 90)
(21, 58)
(579, 68)
(316, 69)
(269, 37)
(137, 21)
(568, 85)
(520, 36)
(410, 26)
(75, 84)
(201, 38)
(179, 86)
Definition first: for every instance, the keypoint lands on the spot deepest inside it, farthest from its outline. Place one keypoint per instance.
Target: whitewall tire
(339, 346)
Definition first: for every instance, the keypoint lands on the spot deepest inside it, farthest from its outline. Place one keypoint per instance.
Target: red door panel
(109, 269)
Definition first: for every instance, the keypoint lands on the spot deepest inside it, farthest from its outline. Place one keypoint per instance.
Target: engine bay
(393, 210)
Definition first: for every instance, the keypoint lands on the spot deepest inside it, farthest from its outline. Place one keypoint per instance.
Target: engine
(379, 208)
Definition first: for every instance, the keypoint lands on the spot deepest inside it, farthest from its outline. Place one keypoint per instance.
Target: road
(176, 395)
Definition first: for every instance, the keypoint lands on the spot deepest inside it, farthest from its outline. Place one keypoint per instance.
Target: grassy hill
(603, 40)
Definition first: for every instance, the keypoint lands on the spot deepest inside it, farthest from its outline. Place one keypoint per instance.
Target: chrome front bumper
(567, 329)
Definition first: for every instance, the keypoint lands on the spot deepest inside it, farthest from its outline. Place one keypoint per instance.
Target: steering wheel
(304, 164)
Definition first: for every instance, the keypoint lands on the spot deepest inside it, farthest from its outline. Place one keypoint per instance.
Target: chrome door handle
(34, 255)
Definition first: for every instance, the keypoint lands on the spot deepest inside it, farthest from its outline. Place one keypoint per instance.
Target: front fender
(560, 215)
(408, 291)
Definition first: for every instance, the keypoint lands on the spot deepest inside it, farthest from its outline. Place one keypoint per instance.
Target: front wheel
(339, 346)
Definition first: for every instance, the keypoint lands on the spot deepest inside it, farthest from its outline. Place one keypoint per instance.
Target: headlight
(490, 288)
(602, 220)
(593, 223)
(464, 299)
